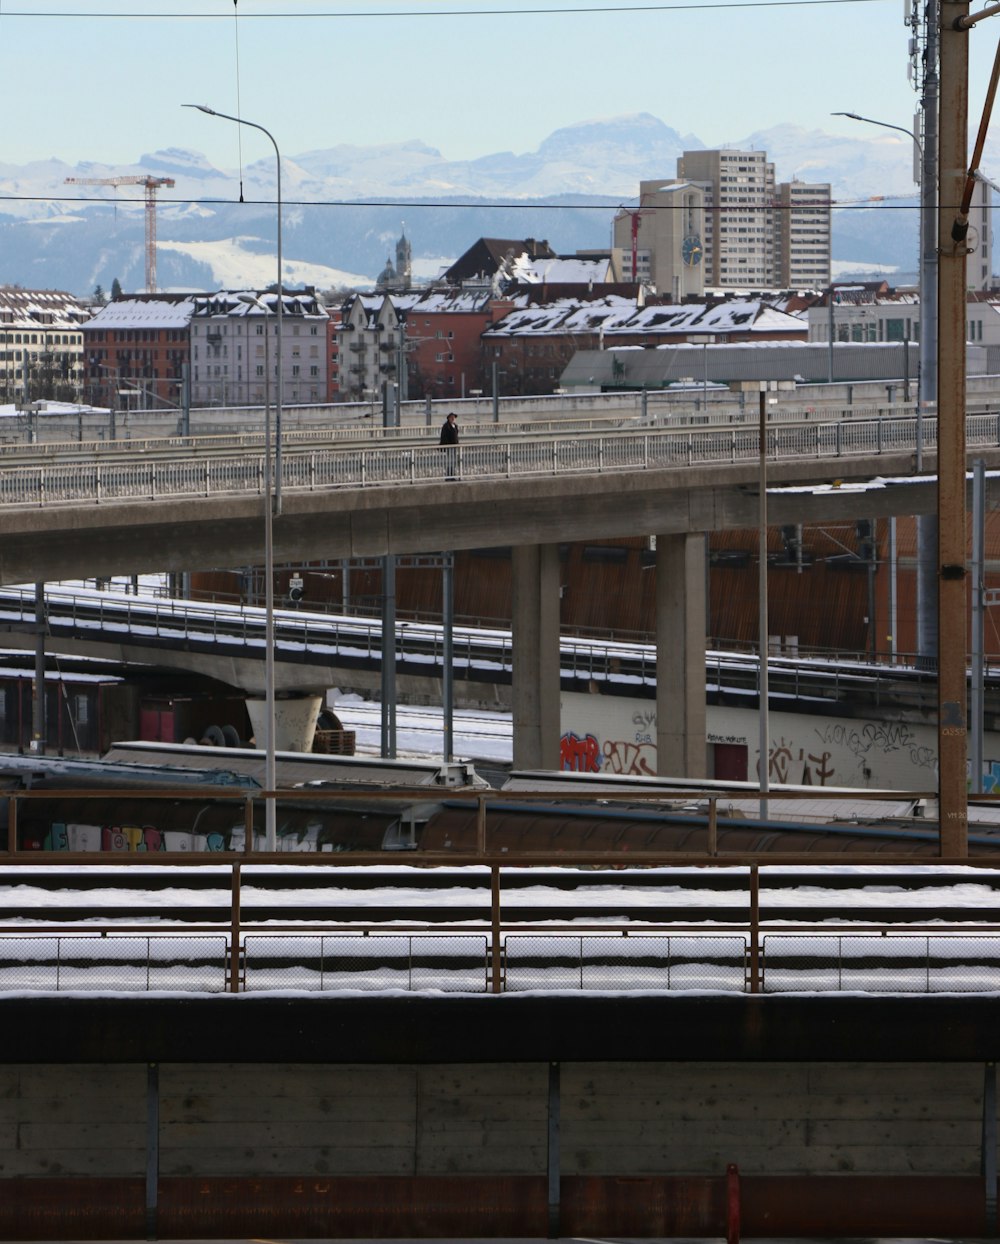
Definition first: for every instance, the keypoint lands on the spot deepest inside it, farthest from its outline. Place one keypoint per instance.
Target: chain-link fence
(449, 962)
(881, 963)
(625, 961)
(462, 962)
(188, 964)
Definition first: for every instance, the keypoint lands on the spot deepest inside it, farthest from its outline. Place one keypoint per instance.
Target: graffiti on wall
(876, 738)
(587, 755)
(579, 755)
(795, 766)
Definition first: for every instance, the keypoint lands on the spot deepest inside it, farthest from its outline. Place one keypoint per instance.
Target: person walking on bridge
(449, 438)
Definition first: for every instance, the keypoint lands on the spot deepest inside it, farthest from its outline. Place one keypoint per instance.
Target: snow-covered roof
(615, 315)
(144, 313)
(571, 270)
(250, 302)
(40, 309)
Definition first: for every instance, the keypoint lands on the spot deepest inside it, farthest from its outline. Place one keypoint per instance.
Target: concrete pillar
(535, 646)
(681, 749)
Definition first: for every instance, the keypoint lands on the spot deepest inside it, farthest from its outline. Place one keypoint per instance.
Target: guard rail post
(248, 825)
(713, 826)
(755, 928)
(481, 824)
(495, 929)
(12, 823)
(234, 933)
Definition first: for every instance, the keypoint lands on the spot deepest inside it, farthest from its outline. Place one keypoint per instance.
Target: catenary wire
(400, 13)
(883, 202)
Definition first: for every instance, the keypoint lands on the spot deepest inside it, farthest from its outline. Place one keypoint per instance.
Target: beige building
(234, 345)
(661, 242)
(41, 344)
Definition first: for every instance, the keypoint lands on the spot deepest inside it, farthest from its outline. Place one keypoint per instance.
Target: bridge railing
(381, 465)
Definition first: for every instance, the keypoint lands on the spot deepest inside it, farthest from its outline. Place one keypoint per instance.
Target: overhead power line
(885, 202)
(401, 13)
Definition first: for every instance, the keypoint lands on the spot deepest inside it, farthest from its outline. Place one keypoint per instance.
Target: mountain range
(345, 206)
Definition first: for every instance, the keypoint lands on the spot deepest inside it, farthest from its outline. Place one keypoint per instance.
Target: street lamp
(277, 352)
(927, 384)
(272, 506)
(270, 761)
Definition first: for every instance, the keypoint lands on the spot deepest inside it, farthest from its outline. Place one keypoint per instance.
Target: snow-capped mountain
(588, 169)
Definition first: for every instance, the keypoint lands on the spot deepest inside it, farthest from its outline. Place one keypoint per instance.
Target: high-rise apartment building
(801, 219)
(759, 235)
(739, 195)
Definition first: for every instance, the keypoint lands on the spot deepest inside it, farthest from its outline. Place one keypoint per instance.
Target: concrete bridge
(59, 520)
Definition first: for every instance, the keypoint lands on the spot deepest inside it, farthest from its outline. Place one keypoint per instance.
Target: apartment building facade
(136, 349)
(739, 240)
(234, 348)
(802, 235)
(723, 223)
(41, 344)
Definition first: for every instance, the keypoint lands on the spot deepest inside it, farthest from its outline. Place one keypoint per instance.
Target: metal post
(893, 594)
(38, 730)
(951, 318)
(496, 395)
(388, 748)
(978, 569)
(234, 932)
(764, 725)
(754, 928)
(272, 502)
(270, 760)
(495, 929)
(927, 386)
(448, 652)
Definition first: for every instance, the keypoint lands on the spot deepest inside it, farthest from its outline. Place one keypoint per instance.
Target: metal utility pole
(952, 521)
(927, 387)
(38, 723)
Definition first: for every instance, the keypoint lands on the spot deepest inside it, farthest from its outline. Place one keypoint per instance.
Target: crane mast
(151, 185)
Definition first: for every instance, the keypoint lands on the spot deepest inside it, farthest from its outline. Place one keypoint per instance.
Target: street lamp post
(927, 384)
(277, 344)
(272, 506)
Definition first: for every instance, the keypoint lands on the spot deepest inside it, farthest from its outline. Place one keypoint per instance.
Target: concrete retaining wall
(791, 1119)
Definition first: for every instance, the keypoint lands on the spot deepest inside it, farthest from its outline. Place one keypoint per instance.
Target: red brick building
(443, 341)
(135, 349)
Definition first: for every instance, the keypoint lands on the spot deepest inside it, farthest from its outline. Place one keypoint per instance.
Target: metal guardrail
(90, 483)
(374, 961)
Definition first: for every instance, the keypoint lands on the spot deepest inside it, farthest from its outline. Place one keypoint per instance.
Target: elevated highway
(142, 511)
(134, 513)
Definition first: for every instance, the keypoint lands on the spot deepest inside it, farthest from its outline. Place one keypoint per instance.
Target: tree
(116, 289)
(99, 294)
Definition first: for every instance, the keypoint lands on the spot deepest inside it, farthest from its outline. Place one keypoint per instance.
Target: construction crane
(151, 184)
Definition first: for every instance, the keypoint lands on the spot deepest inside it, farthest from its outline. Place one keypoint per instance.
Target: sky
(104, 80)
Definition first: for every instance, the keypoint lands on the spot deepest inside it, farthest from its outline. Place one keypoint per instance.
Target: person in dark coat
(449, 438)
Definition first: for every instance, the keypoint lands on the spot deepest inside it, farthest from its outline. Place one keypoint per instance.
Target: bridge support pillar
(535, 646)
(681, 749)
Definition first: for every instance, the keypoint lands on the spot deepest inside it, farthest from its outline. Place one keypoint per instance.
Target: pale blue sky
(469, 82)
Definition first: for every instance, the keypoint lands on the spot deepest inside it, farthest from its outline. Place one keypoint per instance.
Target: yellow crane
(151, 184)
